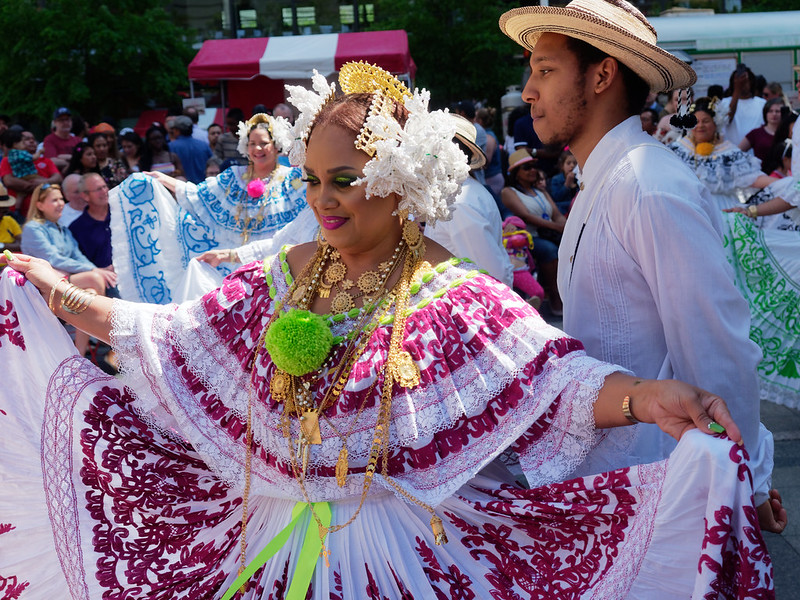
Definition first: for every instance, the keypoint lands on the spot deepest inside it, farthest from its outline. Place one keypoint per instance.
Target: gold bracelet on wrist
(232, 256)
(626, 410)
(752, 211)
(75, 300)
(53, 295)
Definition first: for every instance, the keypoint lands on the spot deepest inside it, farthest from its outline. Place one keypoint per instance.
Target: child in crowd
(519, 243)
(563, 185)
(10, 231)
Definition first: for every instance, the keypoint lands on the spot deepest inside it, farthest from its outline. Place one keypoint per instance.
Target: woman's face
(774, 115)
(261, 151)
(705, 129)
(51, 206)
(100, 147)
(129, 149)
(351, 222)
(156, 140)
(527, 174)
(89, 158)
(212, 170)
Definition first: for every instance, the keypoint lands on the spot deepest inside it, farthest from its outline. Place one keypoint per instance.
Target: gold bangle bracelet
(53, 295)
(626, 410)
(752, 211)
(232, 257)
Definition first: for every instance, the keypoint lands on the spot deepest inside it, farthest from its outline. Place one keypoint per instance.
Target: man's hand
(772, 515)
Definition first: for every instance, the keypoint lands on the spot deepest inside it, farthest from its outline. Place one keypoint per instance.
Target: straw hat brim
(661, 70)
(477, 159)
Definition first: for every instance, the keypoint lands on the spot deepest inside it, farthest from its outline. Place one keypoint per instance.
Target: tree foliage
(457, 45)
(98, 58)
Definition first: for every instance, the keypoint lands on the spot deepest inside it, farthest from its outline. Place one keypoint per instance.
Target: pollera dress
(154, 239)
(133, 487)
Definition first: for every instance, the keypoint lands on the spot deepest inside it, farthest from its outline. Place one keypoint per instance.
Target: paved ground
(785, 548)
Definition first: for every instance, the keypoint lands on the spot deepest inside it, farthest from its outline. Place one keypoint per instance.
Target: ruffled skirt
(767, 267)
(96, 504)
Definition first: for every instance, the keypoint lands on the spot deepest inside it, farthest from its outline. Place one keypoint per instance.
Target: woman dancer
(155, 240)
(348, 407)
(727, 172)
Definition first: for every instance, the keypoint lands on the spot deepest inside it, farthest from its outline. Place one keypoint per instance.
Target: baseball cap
(60, 112)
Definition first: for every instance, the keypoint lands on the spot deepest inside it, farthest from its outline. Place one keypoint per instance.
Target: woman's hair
(40, 194)
(775, 154)
(562, 159)
(485, 116)
(706, 105)
(133, 138)
(146, 153)
(769, 104)
(349, 112)
(75, 164)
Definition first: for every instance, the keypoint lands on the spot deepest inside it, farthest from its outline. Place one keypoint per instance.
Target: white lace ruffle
(147, 338)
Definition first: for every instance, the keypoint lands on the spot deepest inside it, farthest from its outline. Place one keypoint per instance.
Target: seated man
(92, 230)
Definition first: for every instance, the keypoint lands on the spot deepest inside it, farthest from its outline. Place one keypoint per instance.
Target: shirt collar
(608, 150)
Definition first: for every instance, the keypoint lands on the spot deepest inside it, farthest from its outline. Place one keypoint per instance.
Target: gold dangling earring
(321, 241)
(412, 236)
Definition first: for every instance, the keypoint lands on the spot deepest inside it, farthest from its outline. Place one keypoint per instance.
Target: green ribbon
(306, 562)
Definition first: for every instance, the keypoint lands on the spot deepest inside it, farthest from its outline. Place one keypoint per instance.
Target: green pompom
(298, 341)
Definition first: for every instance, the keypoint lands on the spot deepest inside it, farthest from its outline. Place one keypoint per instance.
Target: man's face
(72, 190)
(96, 191)
(63, 124)
(556, 91)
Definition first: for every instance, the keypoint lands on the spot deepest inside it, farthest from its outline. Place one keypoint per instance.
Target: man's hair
(636, 87)
(183, 124)
(653, 115)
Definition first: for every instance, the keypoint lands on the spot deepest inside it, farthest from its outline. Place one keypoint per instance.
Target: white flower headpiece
(279, 130)
(419, 162)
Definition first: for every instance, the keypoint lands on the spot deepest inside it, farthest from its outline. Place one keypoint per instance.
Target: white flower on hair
(280, 132)
(242, 132)
(308, 103)
(419, 162)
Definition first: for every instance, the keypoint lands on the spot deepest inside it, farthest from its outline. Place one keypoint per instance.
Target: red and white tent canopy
(295, 57)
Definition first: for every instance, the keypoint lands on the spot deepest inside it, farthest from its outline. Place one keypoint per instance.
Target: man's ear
(605, 73)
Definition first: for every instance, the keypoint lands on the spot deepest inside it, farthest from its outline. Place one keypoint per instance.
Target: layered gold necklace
(296, 391)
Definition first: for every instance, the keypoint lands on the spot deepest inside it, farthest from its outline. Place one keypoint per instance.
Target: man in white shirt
(74, 198)
(744, 108)
(642, 272)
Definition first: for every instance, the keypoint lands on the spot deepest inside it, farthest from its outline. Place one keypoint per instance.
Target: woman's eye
(344, 181)
(310, 179)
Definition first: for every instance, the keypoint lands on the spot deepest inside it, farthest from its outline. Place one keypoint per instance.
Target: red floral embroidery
(10, 326)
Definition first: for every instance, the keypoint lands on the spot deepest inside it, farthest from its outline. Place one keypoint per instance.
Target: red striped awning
(295, 57)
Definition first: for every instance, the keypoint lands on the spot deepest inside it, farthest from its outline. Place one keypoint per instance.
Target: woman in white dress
(154, 239)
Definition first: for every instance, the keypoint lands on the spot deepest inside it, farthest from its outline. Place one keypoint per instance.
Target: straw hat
(613, 26)
(518, 157)
(466, 134)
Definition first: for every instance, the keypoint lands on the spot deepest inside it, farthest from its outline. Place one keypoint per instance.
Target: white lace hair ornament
(279, 130)
(419, 162)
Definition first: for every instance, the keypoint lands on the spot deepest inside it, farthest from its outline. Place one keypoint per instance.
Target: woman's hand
(736, 209)
(676, 407)
(168, 182)
(37, 270)
(772, 515)
(216, 257)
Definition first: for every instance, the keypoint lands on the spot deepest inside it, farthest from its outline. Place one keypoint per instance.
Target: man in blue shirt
(193, 153)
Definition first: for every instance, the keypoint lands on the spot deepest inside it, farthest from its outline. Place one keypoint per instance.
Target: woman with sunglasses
(43, 237)
(526, 197)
